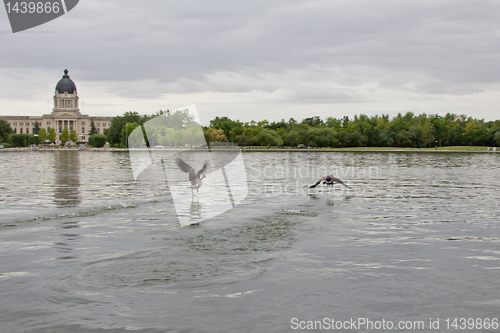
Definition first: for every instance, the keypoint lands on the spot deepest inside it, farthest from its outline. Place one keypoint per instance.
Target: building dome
(66, 84)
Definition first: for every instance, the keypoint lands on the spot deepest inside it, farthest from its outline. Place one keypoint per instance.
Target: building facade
(66, 113)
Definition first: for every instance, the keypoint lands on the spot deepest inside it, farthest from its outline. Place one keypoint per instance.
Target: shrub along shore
(372, 133)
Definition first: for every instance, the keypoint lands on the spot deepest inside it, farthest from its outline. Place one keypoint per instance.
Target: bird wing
(329, 177)
(203, 168)
(317, 183)
(338, 181)
(186, 168)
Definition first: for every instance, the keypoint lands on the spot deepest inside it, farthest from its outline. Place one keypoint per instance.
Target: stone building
(66, 113)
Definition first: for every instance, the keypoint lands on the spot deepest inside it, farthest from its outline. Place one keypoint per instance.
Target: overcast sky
(254, 60)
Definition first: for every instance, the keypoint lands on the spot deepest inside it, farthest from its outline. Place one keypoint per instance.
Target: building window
(48, 129)
(83, 137)
(48, 122)
(15, 130)
(15, 124)
(83, 129)
(83, 123)
(98, 124)
(21, 124)
(98, 131)
(21, 130)
(27, 130)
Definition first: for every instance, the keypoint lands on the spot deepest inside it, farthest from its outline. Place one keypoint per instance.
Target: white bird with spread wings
(194, 177)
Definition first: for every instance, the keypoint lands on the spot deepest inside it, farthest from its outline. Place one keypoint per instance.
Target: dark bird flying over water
(328, 180)
(194, 177)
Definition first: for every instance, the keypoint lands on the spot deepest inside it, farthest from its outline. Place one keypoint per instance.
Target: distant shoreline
(483, 150)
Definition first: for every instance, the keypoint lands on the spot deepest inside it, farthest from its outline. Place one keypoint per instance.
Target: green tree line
(408, 130)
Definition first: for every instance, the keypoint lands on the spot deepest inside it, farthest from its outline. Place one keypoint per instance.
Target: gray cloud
(149, 48)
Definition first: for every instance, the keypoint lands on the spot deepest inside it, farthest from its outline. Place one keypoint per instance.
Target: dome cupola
(66, 84)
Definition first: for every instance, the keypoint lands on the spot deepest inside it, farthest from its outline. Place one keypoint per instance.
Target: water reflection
(195, 211)
(67, 179)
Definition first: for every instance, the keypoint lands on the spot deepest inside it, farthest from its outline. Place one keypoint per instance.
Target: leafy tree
(291, 124)
(133, 136)
(278, 125)
(178, 119)
(322, 137)
(225, 124)
(216, 135)
(97, 140)
(73, 136)
(269, 137)
(263, 123)
(52, 135)
(5, 130)
(313, 121)
(344, 137)
(292, 139)
(252, 133)
(64, 136)
(456, 134)
(497, 138)
(42, 135)
(333, 123)
(117, 131)
(345, 121)
(440, 128)
(425, 132)
(401, 122)
(358, 139)
(128, 129)
(407, 138)
(385, 137)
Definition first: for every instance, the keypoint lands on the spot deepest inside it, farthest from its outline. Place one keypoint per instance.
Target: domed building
(65, 113)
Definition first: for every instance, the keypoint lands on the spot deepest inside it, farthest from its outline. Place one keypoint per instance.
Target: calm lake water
(86, 248)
